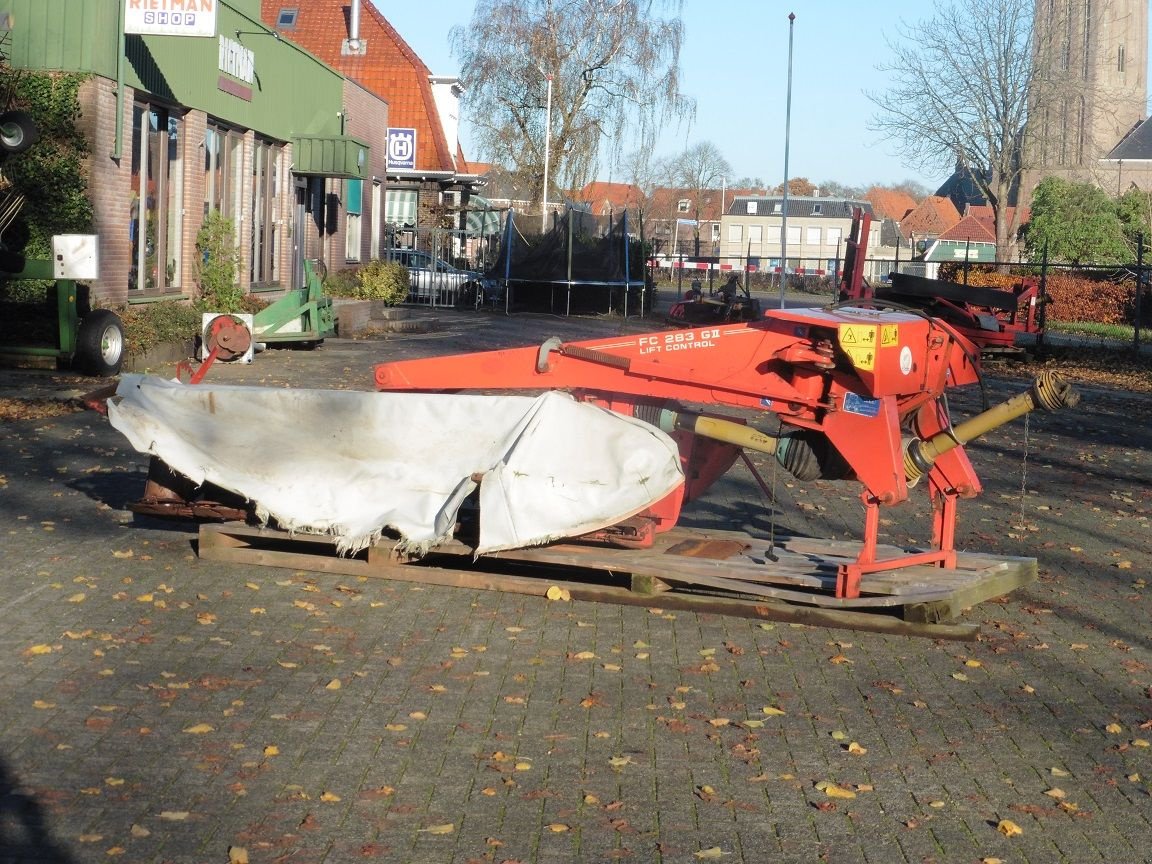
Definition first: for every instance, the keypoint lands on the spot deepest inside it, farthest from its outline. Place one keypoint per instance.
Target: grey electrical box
(75, 256)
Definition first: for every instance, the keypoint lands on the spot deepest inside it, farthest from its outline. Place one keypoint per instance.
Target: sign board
(401, 149)
(170, 17)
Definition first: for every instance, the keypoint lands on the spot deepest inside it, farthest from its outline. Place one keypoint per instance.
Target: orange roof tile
(605, 197)
(890, 203)
(389, 68)
(932, 216)
(973, 228)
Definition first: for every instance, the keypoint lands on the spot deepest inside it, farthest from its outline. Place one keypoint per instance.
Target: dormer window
(682, 205)
(777, 208)
(817, 210)
(751, 208)
(286, 20)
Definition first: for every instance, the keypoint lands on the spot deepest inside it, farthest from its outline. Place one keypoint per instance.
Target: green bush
(341, 283)
(217, 264)
(151, 324)
(386, 281)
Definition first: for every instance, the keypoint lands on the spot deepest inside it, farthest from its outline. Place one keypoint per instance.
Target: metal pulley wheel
(228, 337)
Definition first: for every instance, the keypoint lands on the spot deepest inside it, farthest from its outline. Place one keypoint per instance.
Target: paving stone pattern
(159, 708)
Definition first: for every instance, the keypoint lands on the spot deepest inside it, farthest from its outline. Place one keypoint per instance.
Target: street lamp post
(547, 141)
(787, 130)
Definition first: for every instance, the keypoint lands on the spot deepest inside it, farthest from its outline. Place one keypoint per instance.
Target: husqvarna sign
(170, 17)
(402, 148)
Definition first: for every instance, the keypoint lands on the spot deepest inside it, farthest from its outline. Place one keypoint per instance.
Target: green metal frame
(308, 306)
(67, 313)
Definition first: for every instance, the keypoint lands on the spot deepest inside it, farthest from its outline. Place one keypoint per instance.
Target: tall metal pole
(547, 141)
(787, 131)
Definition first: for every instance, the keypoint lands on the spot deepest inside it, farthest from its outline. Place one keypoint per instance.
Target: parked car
(436, 282)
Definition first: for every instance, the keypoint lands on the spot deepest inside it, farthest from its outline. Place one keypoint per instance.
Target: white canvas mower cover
(354, 464)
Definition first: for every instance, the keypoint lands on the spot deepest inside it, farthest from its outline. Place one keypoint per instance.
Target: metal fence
(444, 265)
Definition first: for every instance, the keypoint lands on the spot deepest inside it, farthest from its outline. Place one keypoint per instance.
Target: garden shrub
(386, 281)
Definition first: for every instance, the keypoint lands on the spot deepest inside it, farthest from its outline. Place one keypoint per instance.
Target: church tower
(1093, 89)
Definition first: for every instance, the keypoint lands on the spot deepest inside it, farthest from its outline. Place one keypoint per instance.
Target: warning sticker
(889, 335)
(857, 335)
(862, 358)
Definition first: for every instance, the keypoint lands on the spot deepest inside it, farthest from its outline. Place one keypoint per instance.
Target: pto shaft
(1049, 392)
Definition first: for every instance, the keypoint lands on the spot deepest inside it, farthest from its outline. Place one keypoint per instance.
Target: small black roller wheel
(100, 344)
(468, 297)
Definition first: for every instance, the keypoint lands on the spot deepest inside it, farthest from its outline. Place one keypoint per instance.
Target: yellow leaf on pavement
(1114, 728)
(1009, 828)
(237, 855)
(555, 592)
(271, 750)
(557, 827)
(713, 852)
(334, 684)
(200, 729)
(446, 828)
(37, 650)
(329, 797)
(772, 711)
(856, 749)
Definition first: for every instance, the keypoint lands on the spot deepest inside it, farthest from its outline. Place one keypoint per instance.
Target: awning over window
(400, 207)
(329, 156)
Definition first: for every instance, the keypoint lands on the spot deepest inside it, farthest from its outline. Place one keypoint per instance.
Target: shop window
(223, 171)
(267, 204)
(353, 206)
(156, 208)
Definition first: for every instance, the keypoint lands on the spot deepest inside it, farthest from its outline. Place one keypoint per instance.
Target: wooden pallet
(726, 572)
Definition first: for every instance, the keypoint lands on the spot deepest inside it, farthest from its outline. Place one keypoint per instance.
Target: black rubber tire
(100, 344)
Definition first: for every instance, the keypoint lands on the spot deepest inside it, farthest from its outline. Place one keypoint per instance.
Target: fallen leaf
(620, 761)
(772, 711)
(1055, 793)
(126, 553)
(973, 664)
(329, 797)
(959, 676)
(583, 655)
(37, 650)
(271, 750)
(1059, 772)
(557, 827)
(200, 729)
(719, 721)
(446, 828)
(174, 815)
(76, 598)
(1009, 828)
(713, 852)
(395, 727)
(555, 592)
(139, 831)
(334, 684)
(1114, 728)
(856, 749)
(237, 855)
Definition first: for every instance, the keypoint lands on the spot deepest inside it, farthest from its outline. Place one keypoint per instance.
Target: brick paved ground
(159, 708)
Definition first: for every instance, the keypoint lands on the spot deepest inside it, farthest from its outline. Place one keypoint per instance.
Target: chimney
(354, 46)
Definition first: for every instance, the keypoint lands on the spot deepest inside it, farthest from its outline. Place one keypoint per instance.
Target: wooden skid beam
(913, 601)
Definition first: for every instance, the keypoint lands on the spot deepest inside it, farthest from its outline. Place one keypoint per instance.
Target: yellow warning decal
(862, 358)
(889, 335)
(857, 335)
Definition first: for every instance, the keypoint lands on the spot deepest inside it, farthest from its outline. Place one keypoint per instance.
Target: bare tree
(614, 66)
(697, 171)
(963, 87)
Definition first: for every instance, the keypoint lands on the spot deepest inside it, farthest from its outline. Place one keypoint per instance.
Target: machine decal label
(906, 360)
(862, 358)
(854, 404)
(680, 340)
(857, 335)
(889, 335)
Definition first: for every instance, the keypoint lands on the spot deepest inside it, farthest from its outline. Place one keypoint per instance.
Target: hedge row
(1071, 296)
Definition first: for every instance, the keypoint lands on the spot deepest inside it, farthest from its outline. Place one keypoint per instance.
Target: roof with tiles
(389, 68)
(666, 203)
(890, 203)
(931, 217)
(773, 205)
(603, 197)
(1137, 144)
(972, 227)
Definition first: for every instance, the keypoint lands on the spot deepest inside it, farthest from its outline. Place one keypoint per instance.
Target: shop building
(240, 121)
